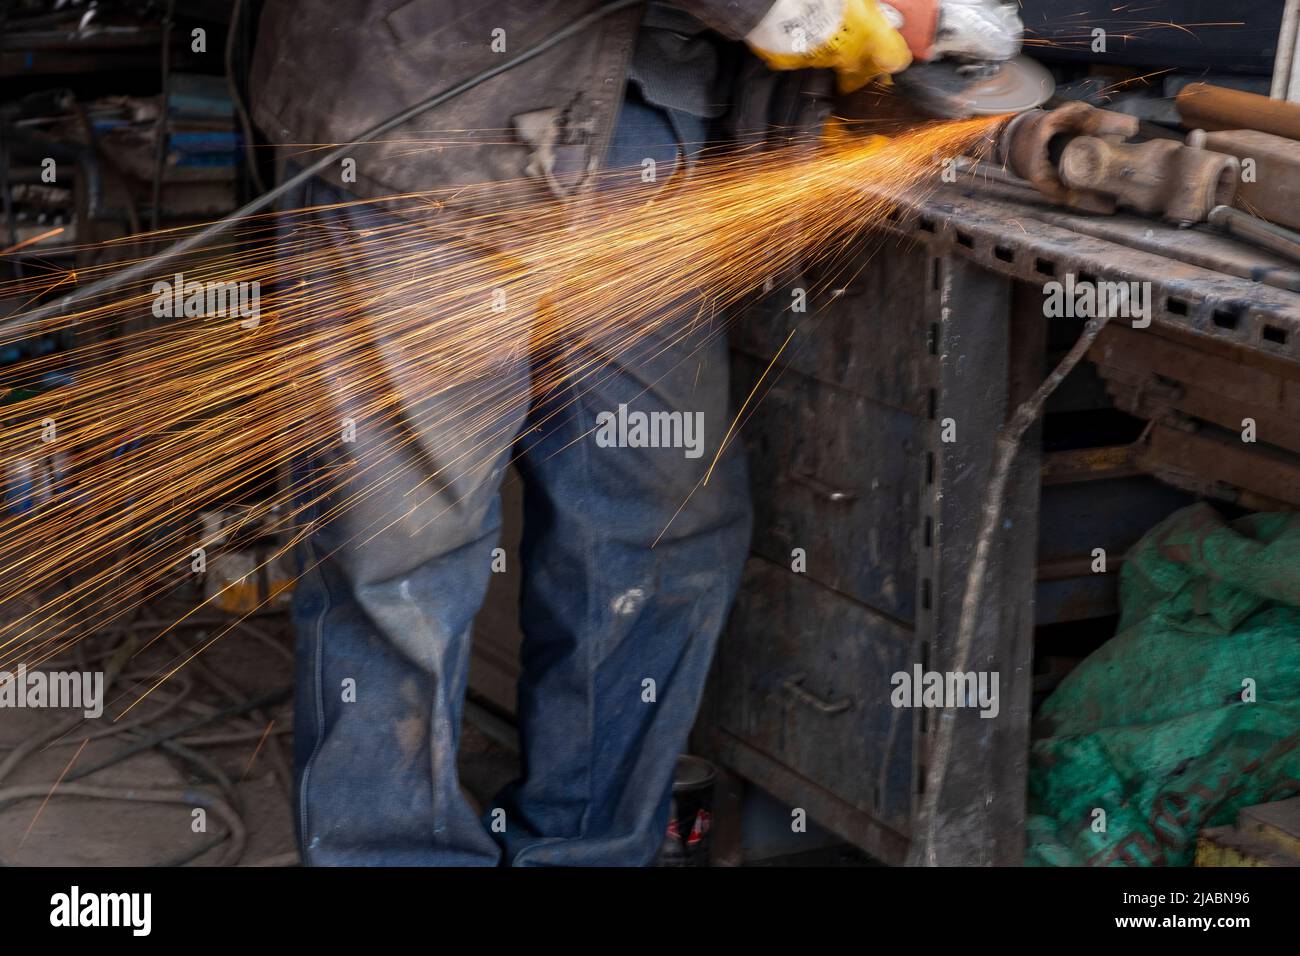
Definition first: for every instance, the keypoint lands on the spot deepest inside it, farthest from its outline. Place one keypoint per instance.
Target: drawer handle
(823, 490)
(793, 686)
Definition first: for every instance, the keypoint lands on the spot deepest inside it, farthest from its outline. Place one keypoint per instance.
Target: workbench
(937, 322)
(939, 315)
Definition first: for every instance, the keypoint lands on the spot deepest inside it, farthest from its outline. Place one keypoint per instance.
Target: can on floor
(691, 818)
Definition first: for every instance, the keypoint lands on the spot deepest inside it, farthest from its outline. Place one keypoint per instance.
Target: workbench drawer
(836, 475)
(845, 337)
(804, 678)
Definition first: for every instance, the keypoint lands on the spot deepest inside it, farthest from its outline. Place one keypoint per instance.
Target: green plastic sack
(1192, 710)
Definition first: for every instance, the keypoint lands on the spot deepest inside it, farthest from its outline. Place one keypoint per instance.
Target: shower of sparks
(48, 234)
(257, 750)
(54, 787)
(1126, 23)
(401, 323)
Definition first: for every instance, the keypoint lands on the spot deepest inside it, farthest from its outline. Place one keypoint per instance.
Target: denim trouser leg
(385, 608)
(395, 570)
(619, 630)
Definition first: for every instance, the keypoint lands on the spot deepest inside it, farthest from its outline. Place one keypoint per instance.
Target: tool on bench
(1216, 107)
(1256, 231)
(1080, 156)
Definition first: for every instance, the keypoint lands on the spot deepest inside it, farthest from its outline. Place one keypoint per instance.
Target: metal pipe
(163, 126)
(1257, 231)
(1216, 107)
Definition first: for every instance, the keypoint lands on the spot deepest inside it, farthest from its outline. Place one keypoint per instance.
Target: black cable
(154, 263)
(145, 743)
(245, 124)
(162, 127)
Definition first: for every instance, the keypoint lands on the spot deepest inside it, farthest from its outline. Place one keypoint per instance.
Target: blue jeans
(384, 619)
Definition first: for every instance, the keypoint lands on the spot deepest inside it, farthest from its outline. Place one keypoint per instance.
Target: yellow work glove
(851, 37)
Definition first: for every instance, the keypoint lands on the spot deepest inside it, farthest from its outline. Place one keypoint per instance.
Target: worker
(629, 561)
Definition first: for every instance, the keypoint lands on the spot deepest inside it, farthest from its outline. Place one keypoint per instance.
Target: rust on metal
(1216, 463)
(1027, 146)
(1088, 464)
(1273, 189)
(1216, 107)
(1080, 156)
(1162, 177)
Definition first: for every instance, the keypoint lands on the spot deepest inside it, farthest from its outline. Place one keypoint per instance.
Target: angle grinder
(965, 60)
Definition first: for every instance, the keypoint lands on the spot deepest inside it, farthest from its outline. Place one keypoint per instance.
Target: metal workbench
(939, 316)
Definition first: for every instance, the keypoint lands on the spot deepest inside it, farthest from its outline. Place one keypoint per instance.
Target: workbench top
(1202, 282)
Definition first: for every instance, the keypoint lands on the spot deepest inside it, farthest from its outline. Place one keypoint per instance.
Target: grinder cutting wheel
(962, 53)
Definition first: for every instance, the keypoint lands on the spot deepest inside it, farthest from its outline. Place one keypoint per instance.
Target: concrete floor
(81, 831)
(89, 831)
(68, 830)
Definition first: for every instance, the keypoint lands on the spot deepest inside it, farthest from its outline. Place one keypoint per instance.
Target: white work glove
(977, 30)
(863, 39)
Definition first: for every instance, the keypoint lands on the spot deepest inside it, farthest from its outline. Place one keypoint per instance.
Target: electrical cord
(178, 741)
(153, 264)
(245, 125)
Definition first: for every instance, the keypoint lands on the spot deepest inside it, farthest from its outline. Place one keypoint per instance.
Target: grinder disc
(1015, 86)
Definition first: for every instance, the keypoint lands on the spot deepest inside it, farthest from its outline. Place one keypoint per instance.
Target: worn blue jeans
(384, 619)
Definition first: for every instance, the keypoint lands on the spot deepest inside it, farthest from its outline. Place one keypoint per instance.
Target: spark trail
(406, 319)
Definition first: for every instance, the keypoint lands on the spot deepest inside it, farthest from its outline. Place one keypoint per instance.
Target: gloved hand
(862, 39)
(851, 37)
(982, 31)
